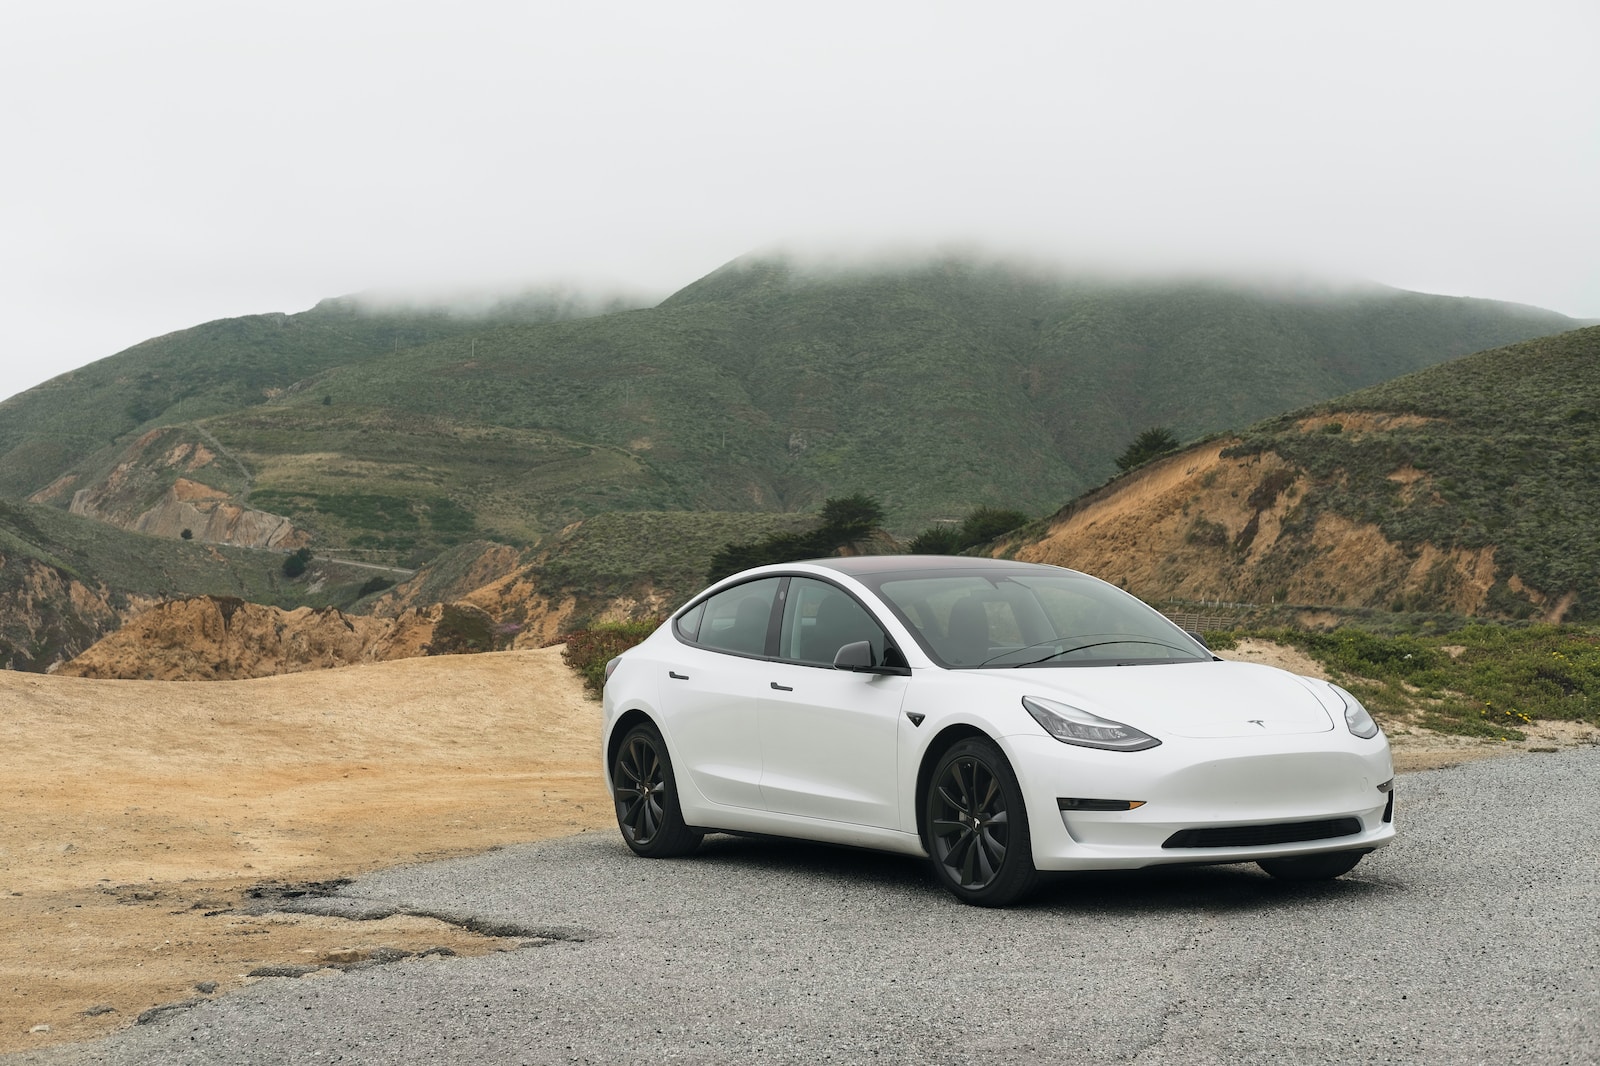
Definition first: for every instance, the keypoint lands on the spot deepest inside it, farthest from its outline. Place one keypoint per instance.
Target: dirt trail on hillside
(136, 817)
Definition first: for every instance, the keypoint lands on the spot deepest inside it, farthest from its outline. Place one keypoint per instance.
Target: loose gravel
(1475, 938)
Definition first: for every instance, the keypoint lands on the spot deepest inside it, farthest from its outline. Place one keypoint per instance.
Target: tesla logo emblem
(1256, 721)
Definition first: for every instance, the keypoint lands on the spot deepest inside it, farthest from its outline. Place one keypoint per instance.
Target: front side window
(819, 619)
(737, 619)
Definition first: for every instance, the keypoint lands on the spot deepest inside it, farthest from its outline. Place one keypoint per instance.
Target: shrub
(588, 650)
(1151, 444)
(979, 527)
(987, 523)
(936, 540)
(374, 584)
(462, 630)
(296, 563)
(845, 521)
(1207, 533)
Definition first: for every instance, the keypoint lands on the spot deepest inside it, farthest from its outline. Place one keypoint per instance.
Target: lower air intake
(1252, 836)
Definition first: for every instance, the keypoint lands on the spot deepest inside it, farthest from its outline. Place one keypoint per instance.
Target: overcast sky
(168, 163)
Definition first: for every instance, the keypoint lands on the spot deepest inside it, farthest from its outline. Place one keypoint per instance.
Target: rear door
(713, 684)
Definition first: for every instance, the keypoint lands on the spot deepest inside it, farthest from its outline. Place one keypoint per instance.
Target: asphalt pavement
(1475, 938)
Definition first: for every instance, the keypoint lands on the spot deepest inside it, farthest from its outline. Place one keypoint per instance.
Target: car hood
(1206, 699)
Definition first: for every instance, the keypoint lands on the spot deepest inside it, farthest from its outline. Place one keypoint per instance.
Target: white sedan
(1001, 718)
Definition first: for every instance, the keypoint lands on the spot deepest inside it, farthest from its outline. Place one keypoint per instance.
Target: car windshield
(1031, 618)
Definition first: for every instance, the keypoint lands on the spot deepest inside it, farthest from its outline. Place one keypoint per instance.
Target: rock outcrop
(1204, 526)
(47, 615)
(169, 482)
(209, 638)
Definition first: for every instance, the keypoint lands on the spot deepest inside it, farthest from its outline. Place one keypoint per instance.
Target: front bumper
(1269, 789)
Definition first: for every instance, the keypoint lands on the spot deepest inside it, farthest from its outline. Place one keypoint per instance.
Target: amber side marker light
(1097, 804)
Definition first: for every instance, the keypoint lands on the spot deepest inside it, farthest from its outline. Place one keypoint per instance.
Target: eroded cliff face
(211, 638)
(48, 616)
(169, 481)
(1201, 526)
(210, 515)
(487, 597)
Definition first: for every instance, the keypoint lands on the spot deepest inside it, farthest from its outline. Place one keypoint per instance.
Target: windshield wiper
(1069, 651)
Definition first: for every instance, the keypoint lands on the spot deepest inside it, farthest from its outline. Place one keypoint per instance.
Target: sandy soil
(137, 817)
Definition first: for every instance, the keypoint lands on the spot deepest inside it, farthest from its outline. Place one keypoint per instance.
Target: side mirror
(856, 657)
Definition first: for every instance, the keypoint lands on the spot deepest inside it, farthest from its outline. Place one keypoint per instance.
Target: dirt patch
(1280, 655)
(138, 816)
(1362, 422)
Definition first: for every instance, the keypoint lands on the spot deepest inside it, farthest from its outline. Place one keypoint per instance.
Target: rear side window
(735, 619)
(688, 623)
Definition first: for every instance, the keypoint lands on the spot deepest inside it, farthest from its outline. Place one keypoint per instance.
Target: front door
(829, 738)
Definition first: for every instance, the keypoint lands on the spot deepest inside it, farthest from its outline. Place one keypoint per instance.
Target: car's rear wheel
(977, 827)
(1312, 867)
(646, 797)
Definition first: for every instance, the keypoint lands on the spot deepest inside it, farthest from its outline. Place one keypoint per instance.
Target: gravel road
(1475, 938)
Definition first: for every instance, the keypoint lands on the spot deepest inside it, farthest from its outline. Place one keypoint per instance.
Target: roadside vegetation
(1482, 680)
(588, 650)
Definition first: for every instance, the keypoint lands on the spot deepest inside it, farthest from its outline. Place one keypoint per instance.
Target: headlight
(1356, 716)
(1072, 726)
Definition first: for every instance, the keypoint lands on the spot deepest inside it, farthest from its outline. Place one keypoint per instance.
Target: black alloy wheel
(646, 797)
(977, 826)
(1324, 867)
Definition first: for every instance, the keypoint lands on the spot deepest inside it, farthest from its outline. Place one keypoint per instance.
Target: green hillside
(211, 369)
(936, 388)
(1505, 449)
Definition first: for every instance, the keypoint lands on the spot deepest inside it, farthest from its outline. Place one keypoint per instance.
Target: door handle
(783, 688)
(677, 676)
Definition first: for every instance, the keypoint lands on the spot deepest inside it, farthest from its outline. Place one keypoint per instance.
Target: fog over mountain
(176, 162)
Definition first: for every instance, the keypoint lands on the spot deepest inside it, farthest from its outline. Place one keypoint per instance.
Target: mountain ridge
(764, 386)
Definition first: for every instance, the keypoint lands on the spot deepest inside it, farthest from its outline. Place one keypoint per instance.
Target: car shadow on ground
(1233, 887)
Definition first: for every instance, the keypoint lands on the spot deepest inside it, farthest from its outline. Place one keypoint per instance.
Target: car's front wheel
(1312, 867)
(977, 827)
(646, 797)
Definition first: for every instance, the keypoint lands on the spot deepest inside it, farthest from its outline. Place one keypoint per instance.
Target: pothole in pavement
(326, 900)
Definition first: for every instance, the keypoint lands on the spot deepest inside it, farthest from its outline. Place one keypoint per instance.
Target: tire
(977, 826)
(1323, 867)
(645, 793)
